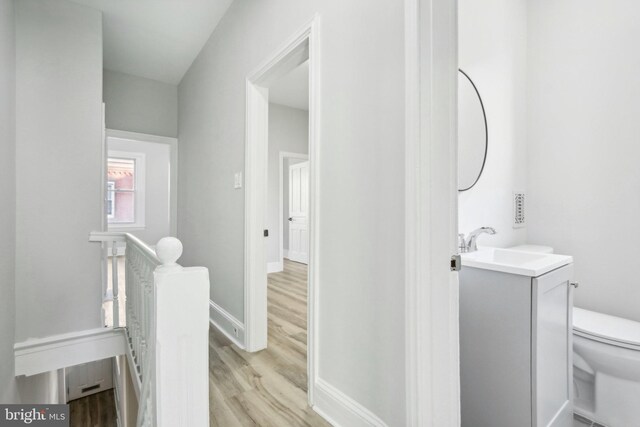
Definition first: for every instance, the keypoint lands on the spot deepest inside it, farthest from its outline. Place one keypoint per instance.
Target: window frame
(138, 191)
(111, 190)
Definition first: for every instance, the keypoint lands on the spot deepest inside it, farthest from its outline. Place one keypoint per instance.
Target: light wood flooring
(267, 388)
(96, 410)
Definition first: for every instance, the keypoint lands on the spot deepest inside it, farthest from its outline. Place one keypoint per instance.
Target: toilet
(606, 365)
(606, 368)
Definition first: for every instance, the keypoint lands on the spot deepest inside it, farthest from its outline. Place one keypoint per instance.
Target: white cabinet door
(299, 212)
(552, 349)
(89, 378)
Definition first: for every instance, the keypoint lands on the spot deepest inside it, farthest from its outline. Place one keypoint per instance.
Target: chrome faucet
(469, 244)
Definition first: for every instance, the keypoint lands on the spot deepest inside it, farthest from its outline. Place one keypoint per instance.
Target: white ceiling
(156, 39)
(292, 90)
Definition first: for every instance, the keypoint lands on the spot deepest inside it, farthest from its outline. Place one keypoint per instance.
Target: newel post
(169, 250)
(182, 340)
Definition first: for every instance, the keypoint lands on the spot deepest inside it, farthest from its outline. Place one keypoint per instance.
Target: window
(125, 190)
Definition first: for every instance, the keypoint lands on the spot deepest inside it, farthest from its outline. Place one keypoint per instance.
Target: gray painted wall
(137, 104)
(288, 131)
(361, 211)
(41, 388)
(584, 104)
(8, 392)
(59, 116)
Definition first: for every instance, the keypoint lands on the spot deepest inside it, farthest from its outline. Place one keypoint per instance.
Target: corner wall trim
(341, 410)
(226, 323)
(36, 356)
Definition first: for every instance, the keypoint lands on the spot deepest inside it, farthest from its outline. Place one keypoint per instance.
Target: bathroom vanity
(515, 339)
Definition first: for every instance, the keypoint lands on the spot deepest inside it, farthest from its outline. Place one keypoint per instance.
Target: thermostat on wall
(518, 209)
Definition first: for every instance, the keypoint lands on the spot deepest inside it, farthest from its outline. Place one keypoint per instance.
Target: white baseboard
(340, 410)
(275, 267)
(285, 253)
(231, 327)
(36, 356)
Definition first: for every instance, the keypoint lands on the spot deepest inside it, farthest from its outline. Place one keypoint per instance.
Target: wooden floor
(97, 410)
(267, 388)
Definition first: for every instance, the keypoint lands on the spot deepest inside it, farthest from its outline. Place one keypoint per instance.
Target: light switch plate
(237, 180)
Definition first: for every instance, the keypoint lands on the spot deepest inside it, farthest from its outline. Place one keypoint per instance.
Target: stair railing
(166, 326)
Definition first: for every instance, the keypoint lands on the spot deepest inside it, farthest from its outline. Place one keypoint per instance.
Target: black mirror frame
(486, 133)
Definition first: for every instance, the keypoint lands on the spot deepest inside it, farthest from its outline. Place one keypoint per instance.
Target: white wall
(8, 197)
(492, 51)
(137, 104)
(288, 131)
(584, 149)
(58, 163)
(157, 212)
(361, 273)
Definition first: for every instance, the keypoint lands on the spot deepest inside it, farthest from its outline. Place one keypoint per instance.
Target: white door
(299, 212)
(89, 378)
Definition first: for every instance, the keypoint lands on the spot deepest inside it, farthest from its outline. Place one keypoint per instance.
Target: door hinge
(456, 263)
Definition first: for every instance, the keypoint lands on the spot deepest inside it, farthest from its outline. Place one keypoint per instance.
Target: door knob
(574, 284)
(290, 219)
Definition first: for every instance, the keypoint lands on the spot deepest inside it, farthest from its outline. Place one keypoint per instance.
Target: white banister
(167, 329)
(114, 281)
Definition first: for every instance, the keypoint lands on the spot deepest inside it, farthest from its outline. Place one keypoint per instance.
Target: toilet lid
(604, 326)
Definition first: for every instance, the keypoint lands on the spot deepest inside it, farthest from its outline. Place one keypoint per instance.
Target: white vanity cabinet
(516, 347)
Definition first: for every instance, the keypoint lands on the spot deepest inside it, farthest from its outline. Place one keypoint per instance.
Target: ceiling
(292, 90)
(156, 39)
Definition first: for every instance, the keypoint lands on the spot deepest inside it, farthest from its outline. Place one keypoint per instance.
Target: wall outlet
(519, 218)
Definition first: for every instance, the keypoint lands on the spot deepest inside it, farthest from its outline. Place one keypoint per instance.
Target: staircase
(166, 330)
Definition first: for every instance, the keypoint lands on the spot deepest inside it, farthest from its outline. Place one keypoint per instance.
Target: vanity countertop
(530, 264)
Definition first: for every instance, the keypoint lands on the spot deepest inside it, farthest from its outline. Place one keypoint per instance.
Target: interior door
(553, 349)
(299, 212)
(89, 378)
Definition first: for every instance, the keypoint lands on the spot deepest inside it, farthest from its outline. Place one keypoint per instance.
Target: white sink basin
(530, 264)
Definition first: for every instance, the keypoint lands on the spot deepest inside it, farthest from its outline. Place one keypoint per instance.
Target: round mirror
(472, 133)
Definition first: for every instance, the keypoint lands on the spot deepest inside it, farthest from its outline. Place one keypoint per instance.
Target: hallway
(268, 388)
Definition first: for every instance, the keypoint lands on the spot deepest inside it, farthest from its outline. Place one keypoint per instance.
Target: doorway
(300, 49)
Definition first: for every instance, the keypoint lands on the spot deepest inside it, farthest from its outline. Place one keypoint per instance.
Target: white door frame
(432, 297)
(284, 155)
(303, 45)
